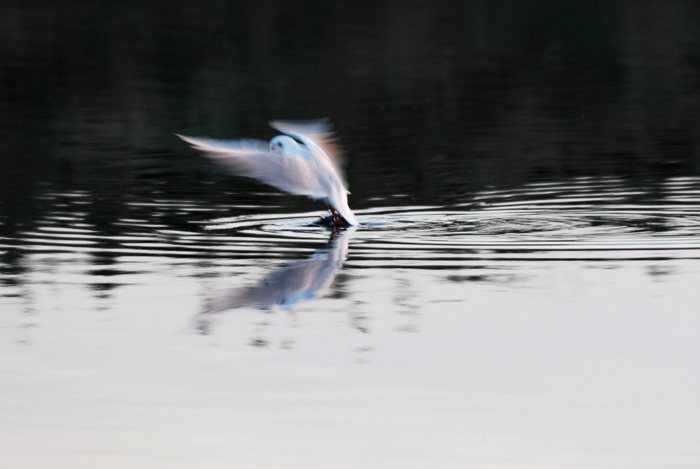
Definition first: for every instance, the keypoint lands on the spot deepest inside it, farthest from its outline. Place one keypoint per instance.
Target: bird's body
(307, 164)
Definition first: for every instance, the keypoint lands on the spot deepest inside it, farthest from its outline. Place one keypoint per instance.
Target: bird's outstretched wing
(251, 158)
(315, 133)
(226, 146)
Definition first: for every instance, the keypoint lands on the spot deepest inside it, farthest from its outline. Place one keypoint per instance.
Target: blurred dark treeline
(430, 97)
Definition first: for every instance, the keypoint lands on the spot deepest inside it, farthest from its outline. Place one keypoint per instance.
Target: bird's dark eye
(279, 145)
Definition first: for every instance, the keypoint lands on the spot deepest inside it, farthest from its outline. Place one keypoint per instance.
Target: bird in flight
(304, 161)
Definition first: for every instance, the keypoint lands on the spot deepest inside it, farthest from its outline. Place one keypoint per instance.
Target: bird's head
(283, 143)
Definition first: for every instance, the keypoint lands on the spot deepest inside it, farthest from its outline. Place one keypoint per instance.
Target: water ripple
(583, 219)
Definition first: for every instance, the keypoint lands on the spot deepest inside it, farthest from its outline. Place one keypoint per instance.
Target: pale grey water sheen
(562, 328)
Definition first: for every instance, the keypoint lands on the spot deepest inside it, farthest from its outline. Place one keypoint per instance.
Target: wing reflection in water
(299, 281)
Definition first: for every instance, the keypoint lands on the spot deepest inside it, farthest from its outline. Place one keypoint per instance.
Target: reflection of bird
(299, 281)
(304, 161)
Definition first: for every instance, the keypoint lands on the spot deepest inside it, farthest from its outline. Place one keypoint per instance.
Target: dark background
(433, 99)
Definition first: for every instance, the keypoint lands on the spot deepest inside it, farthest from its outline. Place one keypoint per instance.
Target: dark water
(522, 291)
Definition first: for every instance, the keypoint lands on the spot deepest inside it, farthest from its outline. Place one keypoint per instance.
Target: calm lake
(522, 291)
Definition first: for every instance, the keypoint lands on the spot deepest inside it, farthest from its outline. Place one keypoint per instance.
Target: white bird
(307, 164)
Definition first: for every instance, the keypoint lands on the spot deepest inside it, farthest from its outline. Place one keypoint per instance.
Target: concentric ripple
(595, 219)
(583, 219)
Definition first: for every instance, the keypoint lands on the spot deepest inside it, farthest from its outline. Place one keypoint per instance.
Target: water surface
(521, 292)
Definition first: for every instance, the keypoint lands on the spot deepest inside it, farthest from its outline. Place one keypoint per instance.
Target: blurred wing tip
(226, 146)
(190, 140)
